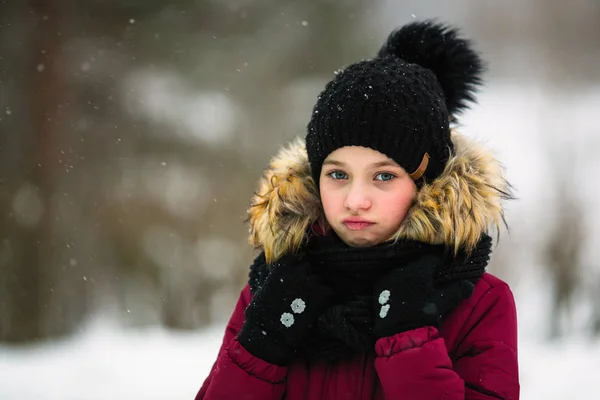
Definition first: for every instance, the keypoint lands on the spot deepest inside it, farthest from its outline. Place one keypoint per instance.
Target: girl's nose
(357, 199)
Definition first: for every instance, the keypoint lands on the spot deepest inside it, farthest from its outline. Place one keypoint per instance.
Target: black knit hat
(400, 102)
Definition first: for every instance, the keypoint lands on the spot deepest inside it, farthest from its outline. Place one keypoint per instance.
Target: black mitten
(283, 310)
(406, 298)
(351, 322)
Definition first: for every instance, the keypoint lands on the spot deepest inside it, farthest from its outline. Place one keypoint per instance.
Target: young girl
(371, 283)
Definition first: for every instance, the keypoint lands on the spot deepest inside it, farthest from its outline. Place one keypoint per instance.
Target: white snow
(565, 370)
(105, 362)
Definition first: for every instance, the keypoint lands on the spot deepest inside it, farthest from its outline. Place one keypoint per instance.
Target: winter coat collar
(454, 210)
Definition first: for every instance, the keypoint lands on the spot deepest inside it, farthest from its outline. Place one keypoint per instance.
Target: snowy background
(132, 135)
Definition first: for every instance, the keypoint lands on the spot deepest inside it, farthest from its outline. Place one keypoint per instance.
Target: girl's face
(365, 195)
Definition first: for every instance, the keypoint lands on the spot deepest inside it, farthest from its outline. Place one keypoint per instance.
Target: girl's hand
(283, 310)
(406, 298)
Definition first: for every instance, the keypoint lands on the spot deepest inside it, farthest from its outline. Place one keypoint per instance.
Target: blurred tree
(563, 261)
(32, 243)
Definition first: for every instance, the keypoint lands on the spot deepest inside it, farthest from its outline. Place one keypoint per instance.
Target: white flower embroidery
(384, 296)
(287, 319)
(384, 311)
(298, 306)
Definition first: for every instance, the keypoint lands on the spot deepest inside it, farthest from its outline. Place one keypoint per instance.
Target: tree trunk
(30, 285)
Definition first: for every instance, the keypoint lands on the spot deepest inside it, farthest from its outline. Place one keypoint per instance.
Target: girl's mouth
(357, 225)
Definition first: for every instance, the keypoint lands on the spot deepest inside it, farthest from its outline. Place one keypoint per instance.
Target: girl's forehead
(358, 156)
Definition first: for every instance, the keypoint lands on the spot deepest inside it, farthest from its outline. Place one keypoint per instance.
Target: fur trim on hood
(455, 209)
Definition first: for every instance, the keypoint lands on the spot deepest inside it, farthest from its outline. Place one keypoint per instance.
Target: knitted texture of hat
(400, 102)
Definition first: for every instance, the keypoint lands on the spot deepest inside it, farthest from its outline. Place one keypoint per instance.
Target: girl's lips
(357, 225)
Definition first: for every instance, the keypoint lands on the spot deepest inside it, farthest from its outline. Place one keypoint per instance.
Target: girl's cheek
(328, 200)
(399, 205)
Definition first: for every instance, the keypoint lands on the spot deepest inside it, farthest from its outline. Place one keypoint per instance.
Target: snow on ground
(106, 362)
(565, 370)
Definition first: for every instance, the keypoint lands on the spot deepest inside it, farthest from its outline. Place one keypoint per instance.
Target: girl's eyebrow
(386, 163)
(334, 162)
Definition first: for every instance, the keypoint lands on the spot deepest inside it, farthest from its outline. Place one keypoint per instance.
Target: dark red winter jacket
(472, 356)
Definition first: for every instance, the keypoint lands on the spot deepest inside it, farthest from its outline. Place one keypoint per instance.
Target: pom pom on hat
(438, 47)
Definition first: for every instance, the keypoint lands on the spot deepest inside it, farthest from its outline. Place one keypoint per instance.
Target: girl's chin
(356, 240)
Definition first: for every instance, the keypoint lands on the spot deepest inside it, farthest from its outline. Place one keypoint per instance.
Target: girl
(371, 282)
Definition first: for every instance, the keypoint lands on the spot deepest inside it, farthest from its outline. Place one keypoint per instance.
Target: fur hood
(455, 209)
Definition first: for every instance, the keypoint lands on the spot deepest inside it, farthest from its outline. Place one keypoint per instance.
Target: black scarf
(351, 273)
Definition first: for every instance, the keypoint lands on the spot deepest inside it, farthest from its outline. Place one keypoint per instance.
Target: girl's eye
(384, 176)
(338, 175)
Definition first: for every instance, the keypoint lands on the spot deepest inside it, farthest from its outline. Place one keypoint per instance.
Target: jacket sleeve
(237, 374)
(416, 364)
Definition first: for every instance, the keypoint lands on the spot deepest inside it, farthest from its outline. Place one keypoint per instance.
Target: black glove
(283, 310)
(406, 298)
(350, 322)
